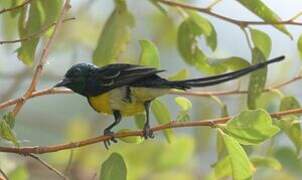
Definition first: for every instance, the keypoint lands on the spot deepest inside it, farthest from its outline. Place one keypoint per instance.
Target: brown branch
(44, 163)
(172, 124)
(42, 60)
(16, 7)
(34, 35)
(3, 174)
(240, 23)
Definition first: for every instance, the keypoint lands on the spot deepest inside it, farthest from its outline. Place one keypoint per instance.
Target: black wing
(113, 76)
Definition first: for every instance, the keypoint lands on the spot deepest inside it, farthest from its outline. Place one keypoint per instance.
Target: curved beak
(63, 83)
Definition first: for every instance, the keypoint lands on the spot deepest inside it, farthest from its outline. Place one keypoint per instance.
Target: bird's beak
(63, 83)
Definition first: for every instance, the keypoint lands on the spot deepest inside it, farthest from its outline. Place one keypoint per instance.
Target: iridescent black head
(76, 77)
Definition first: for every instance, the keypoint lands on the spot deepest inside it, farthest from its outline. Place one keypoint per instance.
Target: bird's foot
(148, 133)
(107, 143)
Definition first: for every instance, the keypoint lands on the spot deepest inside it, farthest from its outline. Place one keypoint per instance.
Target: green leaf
(251, 127)
(180, 75)
(41, 14)
(220, 147)
(261, 41)
(290, 124)
(9, 119)
(242, 168)
(114, 168)
(131, 139)
(15, 3)
(299, 44)
(257, 80)
(185, 105)
(7, 133)
(20, 173)
(115, 35)
(265, 13)
(227, 64)
(149, 55)
(221, 169)
(266, 162)
(162, 115)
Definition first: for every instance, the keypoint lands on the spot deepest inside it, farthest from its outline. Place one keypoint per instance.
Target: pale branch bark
(42, 60)
(48, 166)
(35, 34)
(94, 140)
(237, 22)
(16, 7)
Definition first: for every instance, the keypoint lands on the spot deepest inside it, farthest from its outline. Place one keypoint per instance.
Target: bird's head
(76, 77)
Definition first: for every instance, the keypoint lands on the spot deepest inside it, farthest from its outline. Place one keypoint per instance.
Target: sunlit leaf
(131, 139)
(221, 169)
(185, 105)
(251, 127)
(290, 124)
(242, 168)
(114, 168)
(262, 41)
(268, 162)
(149, 54)
(257, 79)
(265, 13)
(115, 35)
(162, 115)
(180, 75)
(227, 64)
(299, 44)
(20, 173)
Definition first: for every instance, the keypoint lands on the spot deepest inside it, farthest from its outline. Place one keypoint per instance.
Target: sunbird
(128, 89)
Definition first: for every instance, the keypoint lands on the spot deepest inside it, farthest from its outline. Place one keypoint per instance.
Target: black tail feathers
(213, 80)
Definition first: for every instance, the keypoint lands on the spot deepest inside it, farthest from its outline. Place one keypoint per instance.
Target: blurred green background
(62, 118)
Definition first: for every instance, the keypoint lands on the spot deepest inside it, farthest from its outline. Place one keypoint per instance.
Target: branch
(34, 35)
(15, 8)
(44, 163)
(42, 60)
(172, 124)
(237, 22)
(3, 174)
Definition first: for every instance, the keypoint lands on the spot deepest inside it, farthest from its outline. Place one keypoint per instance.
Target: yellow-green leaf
(162, 115)
(262, 41)
(269, 162)
(265, 13)
(180, 75)
(20, 173)
(7, 133)
(149, 54)
(299, 44)
(242, 168)
(184, 103)
(114, 168)
(251, 127)
(115, 35)
(131, 139)
(221, 169)
(257, 79)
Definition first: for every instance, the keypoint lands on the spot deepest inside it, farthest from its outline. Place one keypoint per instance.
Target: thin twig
(94, 140)
(240, 23)
(16, 7)
(3, 174)
(67, 168)
(35, 34)
(42, 60)
(214, 3)
(248, 40)
(48, 166)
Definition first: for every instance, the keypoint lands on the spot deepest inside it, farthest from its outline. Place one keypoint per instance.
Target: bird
(128, 89)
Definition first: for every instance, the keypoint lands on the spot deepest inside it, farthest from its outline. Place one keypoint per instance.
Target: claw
(107, 143)
(148, 133)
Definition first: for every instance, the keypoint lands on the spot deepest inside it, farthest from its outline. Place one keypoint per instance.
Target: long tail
(213, 80)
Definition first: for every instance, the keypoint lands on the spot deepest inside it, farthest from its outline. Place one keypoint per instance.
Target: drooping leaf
(242, 168)
(257, 79)
(268, 162)
(162, 115)
(185, 105)
(299, 44)
(261, 41)
(221, 150)
(114, 168)
(131, 139)
(265, 13)
(221, 169)
(115, 35)
(251, 127)
(290, 124)
(180, 75)
(149, 54)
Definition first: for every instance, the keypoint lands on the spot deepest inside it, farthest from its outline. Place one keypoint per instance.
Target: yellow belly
(115, 100)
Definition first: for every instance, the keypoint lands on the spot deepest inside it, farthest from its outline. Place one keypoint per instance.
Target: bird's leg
(107, 132)
(148, 133)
